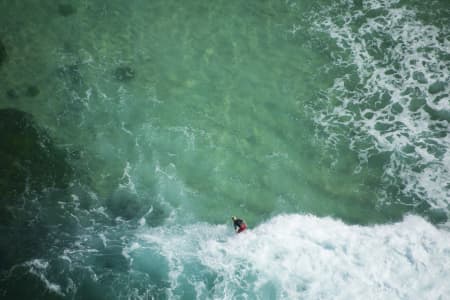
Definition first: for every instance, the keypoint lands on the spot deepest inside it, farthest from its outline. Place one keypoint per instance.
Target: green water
(186, 112)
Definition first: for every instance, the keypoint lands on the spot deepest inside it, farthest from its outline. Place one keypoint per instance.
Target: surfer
(239, 224)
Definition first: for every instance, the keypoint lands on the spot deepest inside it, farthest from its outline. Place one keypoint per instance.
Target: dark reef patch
(12, 94)
(32, 91)
(71, 74)
(3, 54)
(29, 160)
(128, 205)
(66, 10)
(125, 204)
(23, 284)
(124, 73)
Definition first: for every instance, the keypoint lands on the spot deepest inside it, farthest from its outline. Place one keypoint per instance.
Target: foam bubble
(305, 257)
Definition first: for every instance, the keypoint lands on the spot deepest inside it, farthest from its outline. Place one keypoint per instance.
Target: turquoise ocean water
(133, 130)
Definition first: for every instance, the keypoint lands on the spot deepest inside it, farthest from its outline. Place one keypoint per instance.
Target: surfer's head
(233, 218)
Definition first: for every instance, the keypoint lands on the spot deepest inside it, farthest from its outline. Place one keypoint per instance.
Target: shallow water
(325, 125)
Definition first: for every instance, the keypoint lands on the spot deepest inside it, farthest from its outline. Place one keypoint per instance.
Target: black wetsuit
(238, 223)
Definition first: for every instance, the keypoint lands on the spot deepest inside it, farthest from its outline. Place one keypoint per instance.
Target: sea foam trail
(398, 103)
(306, 257)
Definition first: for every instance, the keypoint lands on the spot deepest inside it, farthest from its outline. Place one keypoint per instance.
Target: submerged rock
(12, 94)
(32, 91)
(3, 54)
(125, 204)
(20, 277)
(66, 10)
(124, 73)
(130, 206)
(29, 160)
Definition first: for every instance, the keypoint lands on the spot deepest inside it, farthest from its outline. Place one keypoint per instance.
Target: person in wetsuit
(239, 224)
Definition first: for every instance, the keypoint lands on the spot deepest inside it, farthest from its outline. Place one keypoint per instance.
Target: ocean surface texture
(131, 132)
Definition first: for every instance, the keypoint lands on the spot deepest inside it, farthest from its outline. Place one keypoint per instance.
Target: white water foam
(306, 257)
(127, 180)
(38, 267)
(401, 102)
